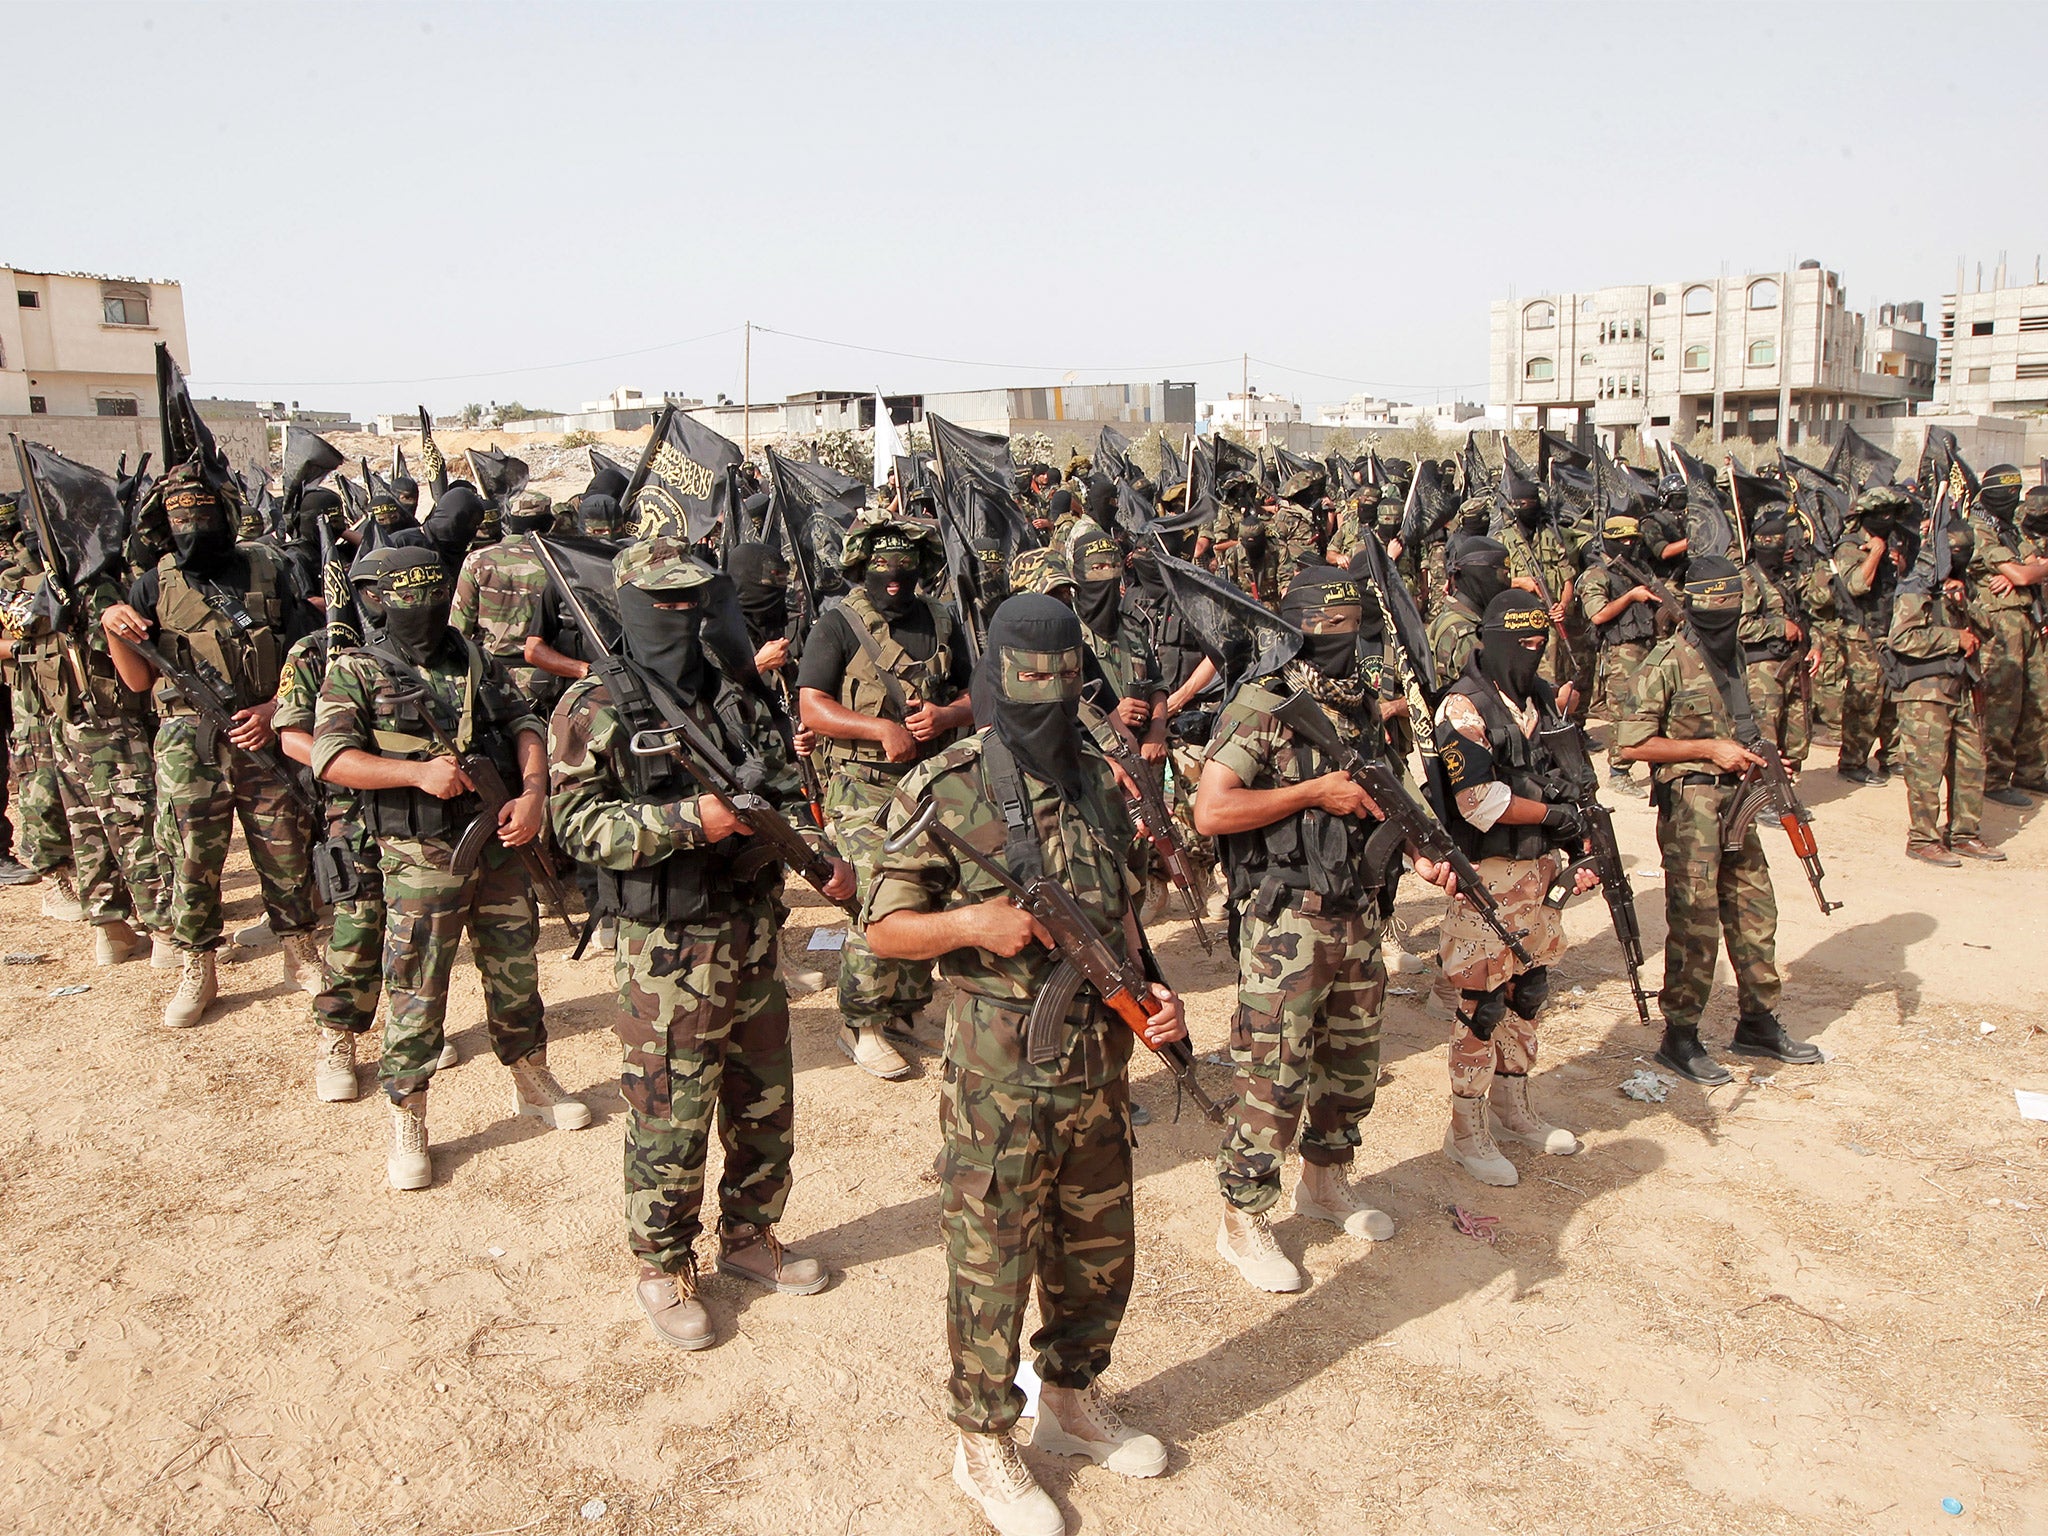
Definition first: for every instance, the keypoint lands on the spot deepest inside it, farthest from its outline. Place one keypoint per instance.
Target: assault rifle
(1404, 820)
(680, 737)
(1085, 957)
(1565, 740)
(1148, 805)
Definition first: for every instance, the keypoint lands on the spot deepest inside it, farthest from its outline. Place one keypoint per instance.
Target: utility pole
(1244, 396)
(747, 393)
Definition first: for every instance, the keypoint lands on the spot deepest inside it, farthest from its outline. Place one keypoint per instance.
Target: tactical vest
(238, 635)
(1516, 760)
(1173, 641)
(691, 885)
(862, 691)
(1310, 850)
(1634, 625)
(401, 731)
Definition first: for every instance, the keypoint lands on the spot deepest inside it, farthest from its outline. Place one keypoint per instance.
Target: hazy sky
(372, 206)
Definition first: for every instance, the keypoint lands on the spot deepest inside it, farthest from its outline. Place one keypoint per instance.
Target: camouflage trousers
(44, 834)
(1620, 664)
(1186, 762)
(2015, 663)
(1709, 894)
(1781, 710)
(427, 906)
(109, 795)
(1829, 675)
(196, 807)
(1036, 1185)
(1941, 743)
(355, 947)
(706, 1031)
(1478, 964)
(871, 990)
(1306, 1041)
(1868, 716)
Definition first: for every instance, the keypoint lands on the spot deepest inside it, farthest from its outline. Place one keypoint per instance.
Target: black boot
(1763, 1035)
(1682, 1052)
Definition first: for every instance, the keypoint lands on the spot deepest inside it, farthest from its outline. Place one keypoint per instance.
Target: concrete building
(1249, 410)
(1994, 349)
(1368, 413)
(1746, 356)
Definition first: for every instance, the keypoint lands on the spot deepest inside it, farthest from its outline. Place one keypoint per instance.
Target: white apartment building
(78, 344)
(1994, 350)
(1246, 411)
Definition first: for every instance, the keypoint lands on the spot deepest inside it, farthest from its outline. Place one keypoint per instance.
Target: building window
(1697, 359)
(1699, 301)
(1586, 359)
(1539, 370)
(1585, 306)
(1657, 300)
(1980, 376)
(1660, 421)
(1763, 354)
(116, 405)
(38, 406)
(1656, 354)
(2037, 369)
(1763, 295)
(1635, 385)
(1539, 317)
(2034, 319)
(123, 306)
(1980, 327)
(28, 298)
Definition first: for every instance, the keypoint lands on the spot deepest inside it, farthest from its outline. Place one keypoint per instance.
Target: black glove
(1564, 825)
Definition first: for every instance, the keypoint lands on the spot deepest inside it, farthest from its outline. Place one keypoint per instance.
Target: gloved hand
(1565, 826)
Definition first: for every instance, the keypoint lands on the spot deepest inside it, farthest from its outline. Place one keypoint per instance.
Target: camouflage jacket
(1127, 660)
(1089, 846)
(1265, 578)
(1676, 698)
(1872, 597)
(1349, 538)
(1600, 585)
(298, 707)
(1921, 635)
(1761, 629)
(497, 604)
(1453, 638)
(1297, 532)
(46, 670)
(1544, 552)
(1993, 549)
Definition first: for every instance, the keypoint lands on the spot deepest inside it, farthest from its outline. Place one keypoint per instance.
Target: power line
(449, 378)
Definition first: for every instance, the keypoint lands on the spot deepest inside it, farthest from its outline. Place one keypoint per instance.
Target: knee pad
(1528, 992)
(1483, 1011)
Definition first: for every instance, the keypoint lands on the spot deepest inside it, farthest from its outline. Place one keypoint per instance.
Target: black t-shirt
(146, 590)
(831, 647)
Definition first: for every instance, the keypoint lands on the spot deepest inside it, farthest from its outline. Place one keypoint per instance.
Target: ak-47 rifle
(680, 737)
(1566, 742)
(1147, 803)
(1404, 820)
(1085, 957)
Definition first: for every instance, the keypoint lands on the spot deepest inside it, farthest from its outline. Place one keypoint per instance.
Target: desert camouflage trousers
(1620, 664)
(1709, 894)
(1036, 1185)
(871, 990)
(1829, 674)
(1941, 744)
(109, 793)
(196, 807)
(43, 834)
(706, 1031)
(426, 909)
(355, 948)
(2015, 662)
(1781, 709)
(1306, 1041)
(1868, 716)
(1475, 961)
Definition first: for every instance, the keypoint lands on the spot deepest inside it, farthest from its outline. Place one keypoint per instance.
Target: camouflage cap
(868, 536)
(1079, 465)
(1303, 482)
(1043, 571)
(1173, 495)
(662, 564)
(1881, 501)
(530, 502)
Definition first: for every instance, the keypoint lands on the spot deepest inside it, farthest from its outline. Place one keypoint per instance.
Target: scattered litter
(1647, 1087)
(1652, 873)
(1951, 1506)
(827, 938)
(1218, 1059)
(2033, 1106)
(1992, 1201)
(1762, 1079)
(1578, 992)
(86, 986)
(440, 1386)
(24, 957)
(1986, 1027)
(496, 1253)
(398, 1478)
(1400, 991)
(1027, 1383)
(1471, 1224)
(1968, 945)
(593, 1509)
(2019, 1205)
(1860, 1150)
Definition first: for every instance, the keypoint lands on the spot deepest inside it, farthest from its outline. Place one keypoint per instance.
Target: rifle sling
(399, 670)
(871, 648)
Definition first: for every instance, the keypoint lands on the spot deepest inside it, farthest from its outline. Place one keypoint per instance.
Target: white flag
(888, 442)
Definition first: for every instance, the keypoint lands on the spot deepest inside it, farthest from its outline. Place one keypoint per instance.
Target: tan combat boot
(536, 1093)
(60, 897)
(868, 1050)
(1515, 1120)
(115, 942)
(334, 1068)
(1077, 1422)
(1245, 1242)
(748, 1252)
(197, 988)
(164, 954)
(989, 1471)
(408, 1165)
(1323, 1195)
(672, 1308)
(305, 967)
(1469, 1144)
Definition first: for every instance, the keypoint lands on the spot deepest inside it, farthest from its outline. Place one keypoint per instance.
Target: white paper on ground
(2033, 1106)
(827, 938)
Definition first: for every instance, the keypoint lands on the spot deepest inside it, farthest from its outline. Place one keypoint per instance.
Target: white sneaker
(535, 1092)
(1325, 1195)
(114, 942)
(1245, 1242)
(989, 1471)
(60, 898)
(305, 965)
(334, 1068)
(1080, 1423)
(871, 1053)
(803, 978)
(408, 1165)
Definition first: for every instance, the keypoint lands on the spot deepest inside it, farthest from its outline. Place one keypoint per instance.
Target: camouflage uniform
(1773, 663)
(1544, 552)
(2014, 662)
(1453, 633)
(1707, 893)
(1264, 578)
(44, 834)
(428, 904)
(1825, 631)
(1036, 1157)
(1311, 980)
(1624, 641)
(1295, 534)
(497, 604)
(1868, 718)
(1940, 738)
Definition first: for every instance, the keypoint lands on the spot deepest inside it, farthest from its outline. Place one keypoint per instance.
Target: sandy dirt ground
(1812, 1301)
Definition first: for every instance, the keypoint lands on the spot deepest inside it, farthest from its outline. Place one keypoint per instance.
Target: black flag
(974, 485)
(1941, 464)
(674, 490)
(1472, 466)
(810, 508)
(1822, 501)
(587, 562)
(1233, 458)
(1858, 464)
(1113, 454)
(1429, 509)
(1173, 469)
(185, 436)
(499, 476)
(1709, 530)
(74, 508)
(308, 459)
(1242, 637)
(430, 456)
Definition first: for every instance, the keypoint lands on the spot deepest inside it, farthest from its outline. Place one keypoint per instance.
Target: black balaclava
(606, 482)
(668, 642)
(407, 490)
(598, 514)
(1148, 577)
(1059, 506)
(1098, 584)
(457, 514)
(1962, 548)
(1713, 607)
(387, 511)
(763, 584)
(1314, 589)
(993, 570)
(1513, 618)
(893, 561)
(1372, 623)
(1039, 722)
(1479, 571)
(1475, 516)
(417, 596)
(1999, 492)
(362, 579)
(530, 512)
(1252, 535)
(200, 528)
(1767, 542)
(1100, 493)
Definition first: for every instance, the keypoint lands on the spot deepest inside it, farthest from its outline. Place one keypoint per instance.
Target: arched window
(1762, 354)
(1586, 306)
(1656, 354)
(1697, 358)
(1699, 301)
(1539, 370)
(1763, 295)
(124, 304)
(1539, 317)
(1587, 359)
(1657, 299)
